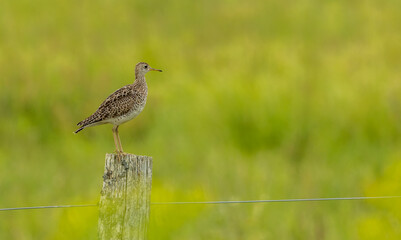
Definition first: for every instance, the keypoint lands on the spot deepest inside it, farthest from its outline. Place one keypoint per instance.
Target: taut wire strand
(216, 202)
(279, 200)
(42, 207)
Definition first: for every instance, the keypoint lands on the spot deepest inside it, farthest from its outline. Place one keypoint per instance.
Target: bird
(122, 105)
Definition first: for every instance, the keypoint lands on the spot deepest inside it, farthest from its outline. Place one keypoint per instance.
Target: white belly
(129, 116)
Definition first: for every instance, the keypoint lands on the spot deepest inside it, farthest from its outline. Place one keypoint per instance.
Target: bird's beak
(153, 69)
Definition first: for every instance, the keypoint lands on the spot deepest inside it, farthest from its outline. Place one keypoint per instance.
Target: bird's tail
(80, 129)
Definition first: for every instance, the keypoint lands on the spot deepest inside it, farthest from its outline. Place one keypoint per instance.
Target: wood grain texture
(125, 198)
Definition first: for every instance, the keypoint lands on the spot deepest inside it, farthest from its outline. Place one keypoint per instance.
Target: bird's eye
(146, 66)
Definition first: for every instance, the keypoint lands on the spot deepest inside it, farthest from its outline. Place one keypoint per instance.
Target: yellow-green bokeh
(257, 100)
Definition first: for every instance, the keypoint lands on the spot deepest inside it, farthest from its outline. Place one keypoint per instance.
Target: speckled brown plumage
(119, 104)
(124, 104)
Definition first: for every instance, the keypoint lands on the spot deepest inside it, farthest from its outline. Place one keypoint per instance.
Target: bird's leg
(119, 141)
(114, 129)
(115, 138)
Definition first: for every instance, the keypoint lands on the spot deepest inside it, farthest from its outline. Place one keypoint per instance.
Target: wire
(278, 200)
(41, 207)
(216, 202)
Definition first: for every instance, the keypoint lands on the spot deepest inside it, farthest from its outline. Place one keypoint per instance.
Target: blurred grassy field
(258, 100)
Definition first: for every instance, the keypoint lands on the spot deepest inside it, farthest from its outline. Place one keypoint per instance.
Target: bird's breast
(136, 109)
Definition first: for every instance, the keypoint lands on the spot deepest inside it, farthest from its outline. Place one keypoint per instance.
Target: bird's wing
(118, 103)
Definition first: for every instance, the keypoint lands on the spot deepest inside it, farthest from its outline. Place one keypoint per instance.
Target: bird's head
(142, 68)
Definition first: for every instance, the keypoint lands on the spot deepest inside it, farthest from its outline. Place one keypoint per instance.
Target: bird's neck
(140, 79)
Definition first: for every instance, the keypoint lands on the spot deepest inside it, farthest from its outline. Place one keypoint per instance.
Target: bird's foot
(119, 154)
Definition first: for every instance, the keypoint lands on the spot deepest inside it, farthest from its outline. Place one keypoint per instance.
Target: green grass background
(258, 100)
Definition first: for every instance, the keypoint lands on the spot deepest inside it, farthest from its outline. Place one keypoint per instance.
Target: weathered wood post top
(125, 197)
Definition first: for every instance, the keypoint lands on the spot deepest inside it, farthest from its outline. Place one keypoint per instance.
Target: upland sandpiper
(121, 106)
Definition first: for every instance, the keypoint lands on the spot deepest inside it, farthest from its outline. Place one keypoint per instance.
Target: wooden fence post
(125, 198)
